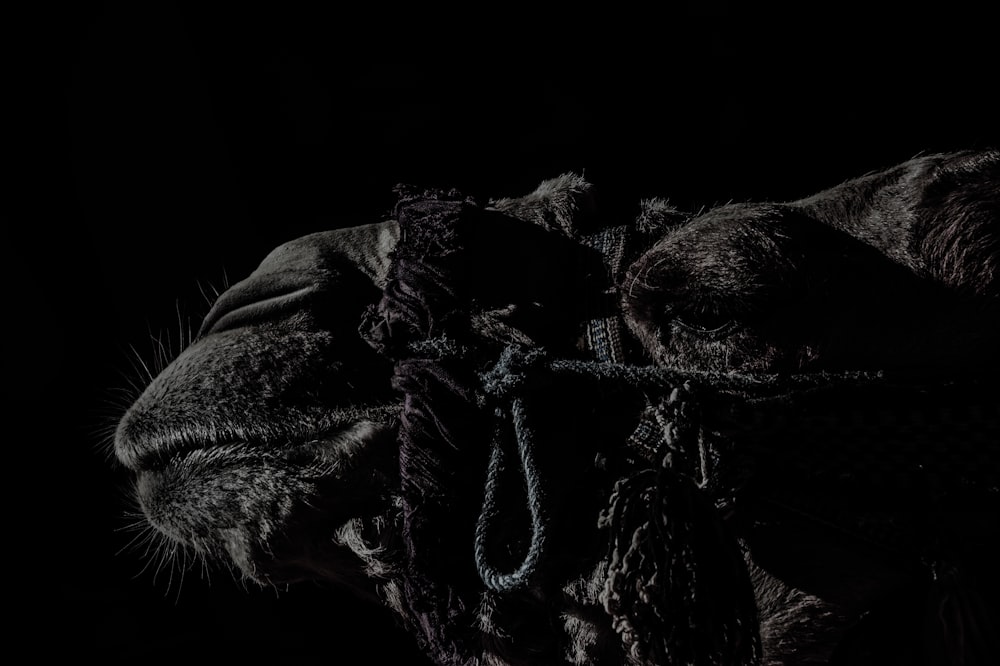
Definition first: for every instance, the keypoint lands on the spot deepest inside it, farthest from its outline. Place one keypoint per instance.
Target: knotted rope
(677, 590)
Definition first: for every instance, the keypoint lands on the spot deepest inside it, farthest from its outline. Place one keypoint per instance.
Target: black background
(168, 146)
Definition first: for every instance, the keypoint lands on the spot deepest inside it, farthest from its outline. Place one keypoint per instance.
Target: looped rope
(525, 573)
(516, 372)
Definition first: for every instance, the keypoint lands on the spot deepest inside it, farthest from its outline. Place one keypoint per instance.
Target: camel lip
(155, 451)
(160, 452)
(150, 452)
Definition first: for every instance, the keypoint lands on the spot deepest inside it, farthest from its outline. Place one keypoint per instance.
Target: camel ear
(658, 216)
(564, 204)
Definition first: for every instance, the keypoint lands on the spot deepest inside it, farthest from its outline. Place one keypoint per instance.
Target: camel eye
(708, 325)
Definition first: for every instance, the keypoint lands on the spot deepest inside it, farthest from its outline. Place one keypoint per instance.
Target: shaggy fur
(273, 441)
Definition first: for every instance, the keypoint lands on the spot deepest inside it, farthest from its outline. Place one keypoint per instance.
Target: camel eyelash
(713, 333)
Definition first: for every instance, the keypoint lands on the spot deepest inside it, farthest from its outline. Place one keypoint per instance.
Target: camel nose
(260, 298)
(286, 279)
(343, 268)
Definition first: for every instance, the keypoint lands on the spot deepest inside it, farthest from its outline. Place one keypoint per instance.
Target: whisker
(163, 351)
(182, 340)
(151, 541)
(155, 359)
(146, 539)
(182, 565)
(167, 561)
(156, 543)
(138, 357)
(206, 572)
(211, 295)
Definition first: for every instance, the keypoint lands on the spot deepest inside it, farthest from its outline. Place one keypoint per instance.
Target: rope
(521, 372)
(527, 572)
(516, 373)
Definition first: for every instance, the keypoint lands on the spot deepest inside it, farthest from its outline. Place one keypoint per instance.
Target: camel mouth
(246, 497)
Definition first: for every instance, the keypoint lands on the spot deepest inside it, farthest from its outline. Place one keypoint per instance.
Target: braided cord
(527, 571)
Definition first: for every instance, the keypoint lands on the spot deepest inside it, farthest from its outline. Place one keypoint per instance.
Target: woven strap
(606, 334)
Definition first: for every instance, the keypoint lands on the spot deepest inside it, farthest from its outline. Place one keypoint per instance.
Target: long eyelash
(716, 333)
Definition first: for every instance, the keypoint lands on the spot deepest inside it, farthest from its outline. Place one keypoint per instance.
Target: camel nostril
(259, 299)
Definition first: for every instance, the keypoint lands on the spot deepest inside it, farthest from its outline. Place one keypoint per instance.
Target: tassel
(678, 590)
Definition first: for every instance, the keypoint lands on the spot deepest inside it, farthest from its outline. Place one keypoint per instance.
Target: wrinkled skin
(269, 443)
